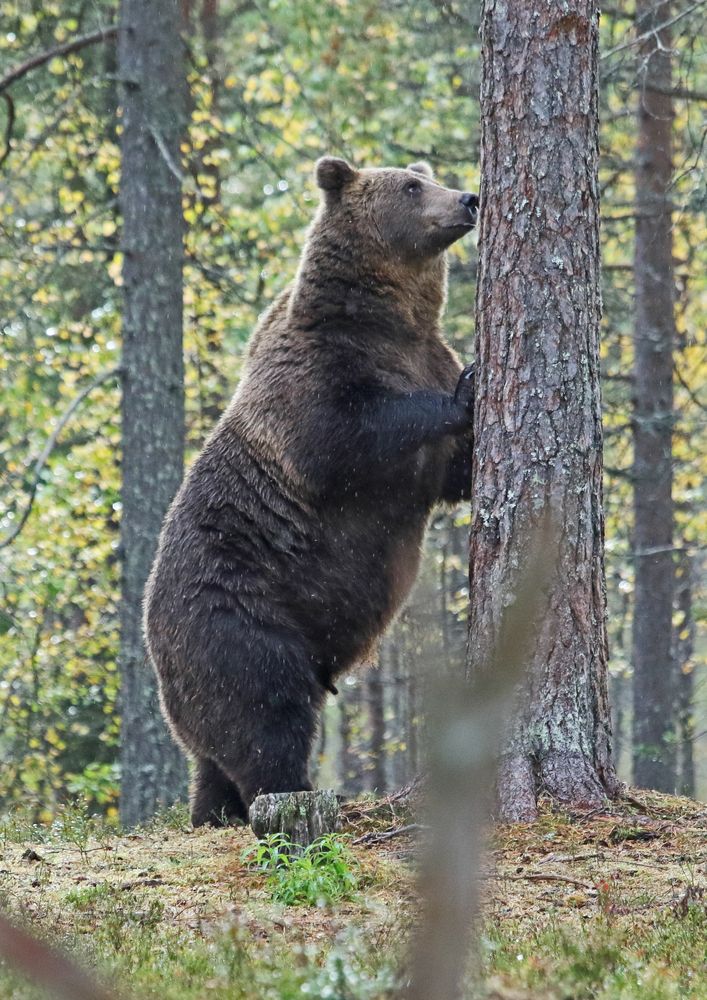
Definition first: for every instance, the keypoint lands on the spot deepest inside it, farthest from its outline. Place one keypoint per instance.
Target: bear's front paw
(464, 393)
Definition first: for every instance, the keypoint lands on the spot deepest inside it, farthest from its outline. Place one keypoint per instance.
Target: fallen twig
(399, 831)
(547, 877)
(635, 802)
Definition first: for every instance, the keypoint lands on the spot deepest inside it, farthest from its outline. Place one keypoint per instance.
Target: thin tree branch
(617, 429)
(49, 447)
(546, 877)
(680, 93)
(102, 35)
(619, 473)
(166, 156)
(639, 39)
(690, 392)
(657, 550)
(399, 831)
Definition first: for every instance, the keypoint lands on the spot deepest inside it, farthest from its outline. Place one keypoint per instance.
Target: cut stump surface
(302, 816)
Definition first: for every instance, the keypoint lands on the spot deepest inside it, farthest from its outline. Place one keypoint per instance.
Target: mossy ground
(608, 905)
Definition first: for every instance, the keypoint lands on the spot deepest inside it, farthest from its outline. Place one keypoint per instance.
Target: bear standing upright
(296, 534)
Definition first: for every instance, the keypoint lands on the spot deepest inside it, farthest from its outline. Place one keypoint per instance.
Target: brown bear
(296, 534)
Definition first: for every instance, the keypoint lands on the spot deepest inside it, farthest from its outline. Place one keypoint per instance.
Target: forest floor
(609, 905)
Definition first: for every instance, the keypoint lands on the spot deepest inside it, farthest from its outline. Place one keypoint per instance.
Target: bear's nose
(470, 201)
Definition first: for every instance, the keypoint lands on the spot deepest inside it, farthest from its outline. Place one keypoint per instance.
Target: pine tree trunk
(538, 415)
(151, 69)
(654, 679)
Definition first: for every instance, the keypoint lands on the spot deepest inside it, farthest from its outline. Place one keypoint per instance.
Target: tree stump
(302, 816)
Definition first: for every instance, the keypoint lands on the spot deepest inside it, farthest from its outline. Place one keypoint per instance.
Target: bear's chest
(421, 362)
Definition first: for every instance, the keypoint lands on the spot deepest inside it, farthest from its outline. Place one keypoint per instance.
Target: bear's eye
(413, 187)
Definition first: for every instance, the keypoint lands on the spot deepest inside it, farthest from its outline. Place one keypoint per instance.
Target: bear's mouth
(468, 223)
(474, 218)
(463, 226)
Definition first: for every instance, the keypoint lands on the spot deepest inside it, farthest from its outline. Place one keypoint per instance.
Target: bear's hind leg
(215, 799)
(279, 757)
(274, 756)
(262, 724)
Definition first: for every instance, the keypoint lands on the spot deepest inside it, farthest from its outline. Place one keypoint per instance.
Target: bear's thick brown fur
(296, 534)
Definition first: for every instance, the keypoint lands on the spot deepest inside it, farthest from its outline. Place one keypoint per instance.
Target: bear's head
(405, 212)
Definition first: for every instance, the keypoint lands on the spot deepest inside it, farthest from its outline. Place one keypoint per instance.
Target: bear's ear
(422, 168)
(332, 173)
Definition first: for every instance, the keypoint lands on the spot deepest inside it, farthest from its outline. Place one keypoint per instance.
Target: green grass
(607, 908)
(159, 963)
(664, 961)
(660, 957)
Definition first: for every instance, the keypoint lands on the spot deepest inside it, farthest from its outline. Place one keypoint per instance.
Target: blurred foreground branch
(46, 967)
(466, 733)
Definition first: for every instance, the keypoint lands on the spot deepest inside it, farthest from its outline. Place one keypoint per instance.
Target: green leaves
(324, 873)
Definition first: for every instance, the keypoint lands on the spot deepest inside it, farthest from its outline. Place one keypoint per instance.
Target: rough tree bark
(654, 676)
(538, 416)
(151, 70)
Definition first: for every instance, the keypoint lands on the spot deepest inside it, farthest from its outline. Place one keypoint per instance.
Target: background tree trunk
(538, 438)
(151, 68)
(350, 763)
(683, 651)
(654, 675)
(376, 721)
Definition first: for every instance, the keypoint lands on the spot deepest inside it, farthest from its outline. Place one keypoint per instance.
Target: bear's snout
(471, 203)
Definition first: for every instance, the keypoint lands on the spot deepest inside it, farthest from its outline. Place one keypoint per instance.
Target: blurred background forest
(272, 86)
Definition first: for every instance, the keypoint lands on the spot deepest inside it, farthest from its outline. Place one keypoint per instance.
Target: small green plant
(174, 817)
(74, 824)
(18, 825)
(324, 873)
